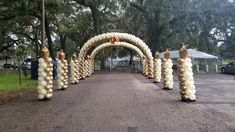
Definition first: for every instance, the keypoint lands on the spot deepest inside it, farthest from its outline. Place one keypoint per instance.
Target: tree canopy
(208, 25)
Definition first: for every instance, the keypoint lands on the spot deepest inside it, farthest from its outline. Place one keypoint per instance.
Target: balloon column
(187, 87)
(150, 67)
(45, 77)
(86, 68)
(157, 68)
(62, 81)
(74, 69)
(167, 71)
(89, 66)
(144, 66)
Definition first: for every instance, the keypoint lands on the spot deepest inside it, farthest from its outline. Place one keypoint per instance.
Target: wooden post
(20, 76)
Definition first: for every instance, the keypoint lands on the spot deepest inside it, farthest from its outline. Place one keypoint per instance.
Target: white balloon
(50, 90)
(40, 87)
(192, 97)
(48, 95)
(61, 83)
(51, 82)
(43, 74)
(43, 65)
(40, 65)
(40, 96)
(49, 59)
(188, 60)
(50, 65)
(59, 63)
(188, 92)
(59, 87)
(42, 91)
(41, 60)
(40, 79)
(192, 91)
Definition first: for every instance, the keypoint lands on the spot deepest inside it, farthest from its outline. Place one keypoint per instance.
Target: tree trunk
(36, 44)
(49, 40)
(154, 30)
(131, 57)
(63, 42)
(96, 19)
(102, 60)
(36, 50)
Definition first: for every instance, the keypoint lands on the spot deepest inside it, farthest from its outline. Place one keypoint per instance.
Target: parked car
(27, 64)
(10, 65)
(229, 68)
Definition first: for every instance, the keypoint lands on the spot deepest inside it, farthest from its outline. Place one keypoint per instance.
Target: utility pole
(43, 22)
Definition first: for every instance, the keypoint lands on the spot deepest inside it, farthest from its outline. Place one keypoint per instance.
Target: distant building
(198, 57)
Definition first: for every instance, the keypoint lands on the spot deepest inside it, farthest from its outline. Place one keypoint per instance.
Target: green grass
(9, 80)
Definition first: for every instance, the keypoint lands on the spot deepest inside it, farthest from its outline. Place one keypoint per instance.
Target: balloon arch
(84, 65)
(117, 39)
(90, 67)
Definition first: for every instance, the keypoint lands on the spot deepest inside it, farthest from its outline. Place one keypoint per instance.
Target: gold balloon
(167, 54)
(185, 97)
(183, 53)
(51, 82)
(182, 84)
(50, 73)
(157, 55)
(183, 92)
(183, 87)
(48, 78)
(44, 52)
(48, 87)
(182, 70)
(183, 79)
(61, 55)
(48, 69)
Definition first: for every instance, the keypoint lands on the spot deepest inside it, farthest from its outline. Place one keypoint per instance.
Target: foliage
(206, 25)
(9, 80)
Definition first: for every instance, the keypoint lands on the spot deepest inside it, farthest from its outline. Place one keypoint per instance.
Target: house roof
(192, 53)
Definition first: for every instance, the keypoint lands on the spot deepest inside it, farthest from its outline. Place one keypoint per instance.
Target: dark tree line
(207, 25)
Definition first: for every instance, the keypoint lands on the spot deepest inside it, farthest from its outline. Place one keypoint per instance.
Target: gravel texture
(114, 102)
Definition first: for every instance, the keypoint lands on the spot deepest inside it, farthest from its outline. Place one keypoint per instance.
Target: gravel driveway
(116, 102)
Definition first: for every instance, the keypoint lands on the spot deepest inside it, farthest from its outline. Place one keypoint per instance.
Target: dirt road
(113, 102)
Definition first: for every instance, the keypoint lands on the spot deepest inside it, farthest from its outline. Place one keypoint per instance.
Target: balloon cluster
(150, 67)
(74, 69)
(82, 68)
(113, 38)
(62, 81)
(45, 77)
(87, 67)
(167, 71)
(144, 66)
(187, 87)
(157, 68)
(90, 71)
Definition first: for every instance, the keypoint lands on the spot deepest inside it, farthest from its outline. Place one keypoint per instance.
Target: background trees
(205, 25)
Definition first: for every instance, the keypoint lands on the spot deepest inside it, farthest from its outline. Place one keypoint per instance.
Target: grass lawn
(9, 80)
